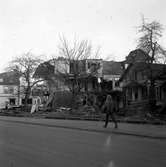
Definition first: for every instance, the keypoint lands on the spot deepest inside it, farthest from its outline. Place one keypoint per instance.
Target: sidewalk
(139, 130)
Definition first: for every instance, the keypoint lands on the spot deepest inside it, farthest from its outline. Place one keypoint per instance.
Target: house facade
(91, 74)
(9, 89)
(112, 72)
(136, 82)
(88, 77)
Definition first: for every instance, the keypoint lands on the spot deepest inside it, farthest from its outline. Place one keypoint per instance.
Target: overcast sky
(111, 24)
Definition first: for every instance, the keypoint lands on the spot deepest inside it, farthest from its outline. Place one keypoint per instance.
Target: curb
(161, 122)
(101, 119)
(90, 130)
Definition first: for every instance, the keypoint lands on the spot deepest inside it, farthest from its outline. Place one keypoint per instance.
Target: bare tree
(73, 56)
(25, 66)
(149, 40)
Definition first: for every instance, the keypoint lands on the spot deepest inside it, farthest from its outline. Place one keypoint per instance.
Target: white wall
(4, 97)
(95, 61)
(62, 66)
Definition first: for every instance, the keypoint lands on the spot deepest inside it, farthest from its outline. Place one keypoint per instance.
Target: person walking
(109, 107)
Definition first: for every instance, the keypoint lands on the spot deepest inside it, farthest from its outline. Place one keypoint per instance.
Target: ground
(31, 142)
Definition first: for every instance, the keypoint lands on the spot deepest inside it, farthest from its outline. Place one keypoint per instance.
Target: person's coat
(109, 105)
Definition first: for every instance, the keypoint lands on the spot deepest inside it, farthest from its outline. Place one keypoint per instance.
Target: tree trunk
(27, 95)
(73, 97)
(152, 97)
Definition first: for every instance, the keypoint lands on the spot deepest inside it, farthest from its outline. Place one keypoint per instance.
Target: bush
(62, 99)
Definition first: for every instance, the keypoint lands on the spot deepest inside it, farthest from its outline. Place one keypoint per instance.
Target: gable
(144, 68)
(137, 55)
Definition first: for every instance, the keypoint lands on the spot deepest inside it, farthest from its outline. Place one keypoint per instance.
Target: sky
(35, 25)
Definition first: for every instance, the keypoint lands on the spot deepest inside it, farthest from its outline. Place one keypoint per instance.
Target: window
(158, 93)
(129, 93)
(130, 77)
(144, 92)
(11, 90)
(143, 75)
(89, 64)
(5, 90)
(135, 75)
(93, 84)
(136, 93)
(1, 79)
(8, 90)
(29, 101)
(12, 101)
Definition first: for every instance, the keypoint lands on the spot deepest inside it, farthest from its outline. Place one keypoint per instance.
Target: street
(26, 145)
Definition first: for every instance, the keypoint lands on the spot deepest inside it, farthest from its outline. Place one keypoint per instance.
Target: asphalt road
(23, 145)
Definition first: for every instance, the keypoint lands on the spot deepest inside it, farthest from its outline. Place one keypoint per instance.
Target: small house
(9, 89)
(136, 84)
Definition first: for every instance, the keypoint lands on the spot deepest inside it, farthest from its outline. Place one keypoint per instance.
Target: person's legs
(106, 120)
(114, 120)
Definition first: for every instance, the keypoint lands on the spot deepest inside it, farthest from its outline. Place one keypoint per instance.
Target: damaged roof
(44, 70)
(9, 78)
(156, 69)
(112, 68)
